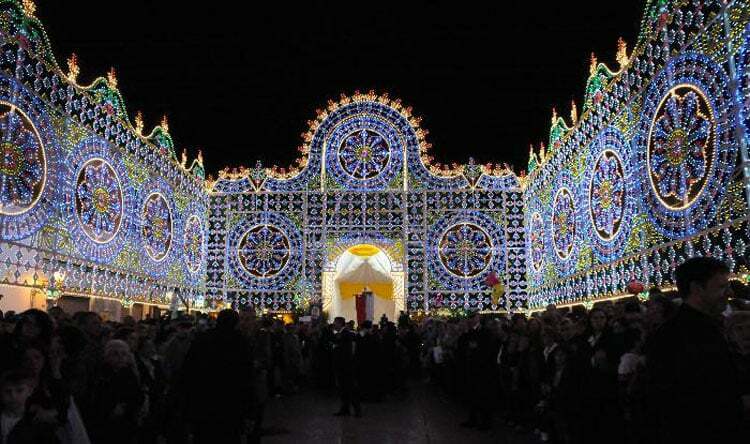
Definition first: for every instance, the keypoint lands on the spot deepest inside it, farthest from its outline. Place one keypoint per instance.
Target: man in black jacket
(694, 383)
(344, 367)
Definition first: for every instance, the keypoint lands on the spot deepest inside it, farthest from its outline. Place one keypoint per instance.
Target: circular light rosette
(611, 192)
(536, 241)
(98, 200)
(464, 247)
(30, 172)
(157, 226)
(264, 251)
(686, 144)
(564, 223)
(364, 152)
(194, 241)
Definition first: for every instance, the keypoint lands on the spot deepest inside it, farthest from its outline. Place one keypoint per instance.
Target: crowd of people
(672, 368)
(176, 379)
(631, 371)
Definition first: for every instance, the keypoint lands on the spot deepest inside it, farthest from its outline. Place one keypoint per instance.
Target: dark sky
(241, 82)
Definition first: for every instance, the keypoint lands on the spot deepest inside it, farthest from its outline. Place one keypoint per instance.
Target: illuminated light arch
(365, 112)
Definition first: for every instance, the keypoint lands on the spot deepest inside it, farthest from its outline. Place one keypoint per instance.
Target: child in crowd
(18, 425)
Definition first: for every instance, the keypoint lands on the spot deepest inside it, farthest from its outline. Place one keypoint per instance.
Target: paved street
(423, 417)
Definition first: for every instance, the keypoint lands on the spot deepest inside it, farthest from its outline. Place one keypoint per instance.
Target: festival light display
(83, 194)
(24, 166)
(651, 170)
(654, 171)
(98, 202)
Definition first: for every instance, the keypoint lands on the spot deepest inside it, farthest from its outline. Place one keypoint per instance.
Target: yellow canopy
(364, 250)
(365, 267)
(383, 290)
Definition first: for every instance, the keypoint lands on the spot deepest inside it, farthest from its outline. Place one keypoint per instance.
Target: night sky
(242, 83)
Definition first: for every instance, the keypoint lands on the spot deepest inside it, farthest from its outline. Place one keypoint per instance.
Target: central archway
(363, 267)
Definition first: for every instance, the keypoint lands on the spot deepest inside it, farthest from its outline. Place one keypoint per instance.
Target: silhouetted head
(339, 322)
(703, 283)
(227, 320)
(34, 326)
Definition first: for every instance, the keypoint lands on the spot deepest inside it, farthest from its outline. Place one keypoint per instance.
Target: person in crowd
(50, 398)
(694, 383)
(18, 423)
(116, 403)
(225, 348)
(153, 381)
(629, 370)
(33, 328)
(478, 350)
(344, 366)
(366, 356)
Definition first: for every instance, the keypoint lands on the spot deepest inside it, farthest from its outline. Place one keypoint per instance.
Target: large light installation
(652, 170)
(24, 164)
(366, 178)
(655, 170)
(83, 193)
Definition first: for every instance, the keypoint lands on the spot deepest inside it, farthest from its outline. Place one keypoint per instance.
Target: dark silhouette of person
(217, 415)
(345, 368)
(477, 349)
(366, 356)
(694, 384)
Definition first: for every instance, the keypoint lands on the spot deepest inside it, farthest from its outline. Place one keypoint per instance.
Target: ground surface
(423, 416)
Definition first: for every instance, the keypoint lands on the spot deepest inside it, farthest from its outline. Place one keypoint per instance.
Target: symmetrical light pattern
(364, 154)
(653, 163)
(536, 241)
(156, 230)
(465, 250)
(647, 176)
(29, 175)
(193, 244)
(686, 133)
(73, 176)
(367, 177)
(264, 250)
(680, 150)
(99, 200)
(607, 195)
(22, 162)
(464, 247)
(611, 193)
(563, 223)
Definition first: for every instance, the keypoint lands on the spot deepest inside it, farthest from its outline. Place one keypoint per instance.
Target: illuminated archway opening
(363, 268)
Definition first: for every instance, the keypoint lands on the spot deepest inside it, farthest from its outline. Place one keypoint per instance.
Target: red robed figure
(361, 304)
